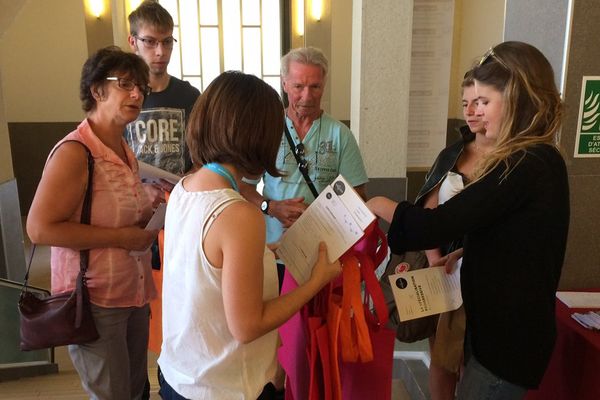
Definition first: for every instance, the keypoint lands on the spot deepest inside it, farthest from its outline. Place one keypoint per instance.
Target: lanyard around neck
(219, 169)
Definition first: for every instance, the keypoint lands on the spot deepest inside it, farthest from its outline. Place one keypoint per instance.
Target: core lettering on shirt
(156, 130)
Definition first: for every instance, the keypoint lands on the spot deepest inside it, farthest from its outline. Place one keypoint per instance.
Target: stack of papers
(589, 320)
(151, 174)
(580, 299)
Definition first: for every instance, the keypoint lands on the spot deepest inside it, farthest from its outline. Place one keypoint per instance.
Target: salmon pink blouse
(114, 278)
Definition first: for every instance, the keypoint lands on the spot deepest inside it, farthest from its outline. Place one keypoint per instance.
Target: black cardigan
(515, 232)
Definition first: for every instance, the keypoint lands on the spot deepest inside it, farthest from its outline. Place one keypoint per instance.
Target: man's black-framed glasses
(151, 43)
(128, 84)
(491, 54)
(303, 164)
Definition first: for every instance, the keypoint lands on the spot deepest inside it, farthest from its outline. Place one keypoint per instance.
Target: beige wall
(341, 58)
(41, 54)
(6, 168)
(478, 25)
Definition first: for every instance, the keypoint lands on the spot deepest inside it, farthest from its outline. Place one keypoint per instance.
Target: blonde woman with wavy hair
(513, 218)
(532, 110)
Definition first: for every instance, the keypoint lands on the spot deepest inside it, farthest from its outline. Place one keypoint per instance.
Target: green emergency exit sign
(587, 143)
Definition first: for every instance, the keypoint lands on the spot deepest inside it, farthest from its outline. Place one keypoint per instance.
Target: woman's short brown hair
(104, 63)
(238, 120)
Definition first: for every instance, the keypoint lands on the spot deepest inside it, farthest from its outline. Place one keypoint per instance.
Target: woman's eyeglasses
(151, 43)
(303, 164)
(491, 54)
(127, 84)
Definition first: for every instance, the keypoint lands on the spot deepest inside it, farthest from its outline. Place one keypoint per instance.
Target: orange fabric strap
(354, 332)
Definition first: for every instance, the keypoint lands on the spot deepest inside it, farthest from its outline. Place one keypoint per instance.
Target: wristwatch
(264, 206)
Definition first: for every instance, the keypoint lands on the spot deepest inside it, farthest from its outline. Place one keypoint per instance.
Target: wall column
(381, 49)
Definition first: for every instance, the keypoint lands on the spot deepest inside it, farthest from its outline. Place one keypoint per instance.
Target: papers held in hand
(151, 174)
(338, 217)
(156, 222)
(425, 292)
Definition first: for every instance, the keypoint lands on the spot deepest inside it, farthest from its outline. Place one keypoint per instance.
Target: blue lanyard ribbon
(219, 169)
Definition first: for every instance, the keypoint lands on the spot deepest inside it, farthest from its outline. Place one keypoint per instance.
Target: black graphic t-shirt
(157, 137)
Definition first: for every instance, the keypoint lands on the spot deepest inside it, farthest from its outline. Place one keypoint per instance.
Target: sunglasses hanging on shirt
(298, 152)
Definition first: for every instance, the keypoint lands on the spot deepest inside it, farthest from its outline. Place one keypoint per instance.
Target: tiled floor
(65, 385)
(62, 386)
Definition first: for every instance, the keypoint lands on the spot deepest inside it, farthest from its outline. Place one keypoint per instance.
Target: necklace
(220, 170)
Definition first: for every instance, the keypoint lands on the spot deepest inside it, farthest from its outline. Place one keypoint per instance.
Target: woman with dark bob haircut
(113, 86)
(221, 307)
(514, 220)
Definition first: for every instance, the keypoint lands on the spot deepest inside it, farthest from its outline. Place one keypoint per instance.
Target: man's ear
(132, 45)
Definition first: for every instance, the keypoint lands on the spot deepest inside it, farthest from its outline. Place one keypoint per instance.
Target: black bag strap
(86, 210)
(86, 214)
(301, 167)
(31, 253)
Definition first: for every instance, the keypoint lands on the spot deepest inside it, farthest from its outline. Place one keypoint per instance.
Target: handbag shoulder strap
(31, 253)
(301, 164)
(86, 213)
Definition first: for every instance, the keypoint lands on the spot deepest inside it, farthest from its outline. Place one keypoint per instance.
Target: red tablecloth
(574, 370)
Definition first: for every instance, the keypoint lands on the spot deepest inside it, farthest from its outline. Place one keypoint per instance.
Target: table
(574, 369)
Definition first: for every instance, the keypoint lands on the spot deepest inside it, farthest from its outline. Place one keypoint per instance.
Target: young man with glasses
(157, 137)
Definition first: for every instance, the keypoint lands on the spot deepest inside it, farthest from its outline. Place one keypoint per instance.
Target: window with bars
(220, 35)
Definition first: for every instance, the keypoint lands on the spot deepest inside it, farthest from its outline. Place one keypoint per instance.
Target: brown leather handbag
(64, 318)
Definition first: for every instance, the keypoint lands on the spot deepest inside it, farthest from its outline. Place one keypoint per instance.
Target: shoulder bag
(64, 318)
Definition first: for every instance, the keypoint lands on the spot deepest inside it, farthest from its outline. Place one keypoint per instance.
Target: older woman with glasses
(514, 218)
(112, 89)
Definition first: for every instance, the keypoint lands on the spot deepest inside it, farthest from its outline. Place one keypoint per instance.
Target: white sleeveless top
(452, 184)
(199, 357)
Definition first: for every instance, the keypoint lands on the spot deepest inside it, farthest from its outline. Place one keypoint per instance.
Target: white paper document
(151, 174)
(580, 299)
(338, 217)
(156, 222)
(426, 292)
(589, 320)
